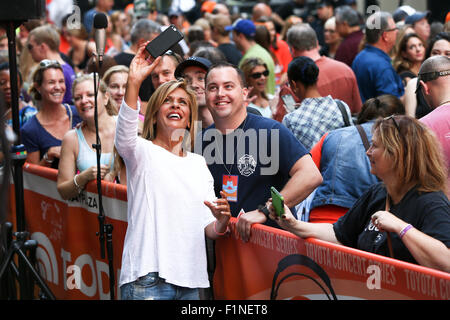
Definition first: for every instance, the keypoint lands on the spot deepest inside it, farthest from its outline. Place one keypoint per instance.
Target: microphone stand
(103, 228)
(26, 272)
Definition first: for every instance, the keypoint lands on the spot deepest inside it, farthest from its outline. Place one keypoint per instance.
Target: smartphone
(277, 201)
(168, 38)
(289, 102)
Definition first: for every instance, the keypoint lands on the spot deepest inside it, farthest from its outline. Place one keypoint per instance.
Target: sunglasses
(430, 76)
(258, 75)
(395, 124)
(46, 63)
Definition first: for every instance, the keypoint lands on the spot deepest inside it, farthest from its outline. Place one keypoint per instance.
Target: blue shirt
(259, 154)
(35, 138)
(375, 74)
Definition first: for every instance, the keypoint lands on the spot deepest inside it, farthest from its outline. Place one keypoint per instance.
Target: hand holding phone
(277, 201)
(163, 42)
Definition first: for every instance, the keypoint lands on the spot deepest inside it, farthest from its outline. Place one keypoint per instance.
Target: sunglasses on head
(430, 76)
(46, 63)
(258, 75)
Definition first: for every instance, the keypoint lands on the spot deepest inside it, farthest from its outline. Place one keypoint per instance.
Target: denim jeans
(152, 287)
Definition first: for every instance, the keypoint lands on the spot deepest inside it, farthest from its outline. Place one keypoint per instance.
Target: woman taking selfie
(170, 193)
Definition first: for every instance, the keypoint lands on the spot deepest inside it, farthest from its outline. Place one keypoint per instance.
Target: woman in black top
(408, 215)
(409, 57)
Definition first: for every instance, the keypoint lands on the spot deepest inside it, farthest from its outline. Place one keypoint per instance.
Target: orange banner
(273, 264)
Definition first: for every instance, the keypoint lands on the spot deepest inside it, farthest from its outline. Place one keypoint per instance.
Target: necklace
(445, 102)
(235, 149)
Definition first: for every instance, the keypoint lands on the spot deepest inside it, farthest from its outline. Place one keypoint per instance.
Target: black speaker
(21, 10)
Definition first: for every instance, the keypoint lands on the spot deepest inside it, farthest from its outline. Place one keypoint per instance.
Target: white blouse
(166, 213)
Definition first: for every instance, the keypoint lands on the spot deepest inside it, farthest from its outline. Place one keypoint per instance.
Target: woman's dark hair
(380, 107)
(439, 36)
(303, 69)
(5, 66)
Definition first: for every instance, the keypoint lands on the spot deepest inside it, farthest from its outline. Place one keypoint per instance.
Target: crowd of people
(347, 115)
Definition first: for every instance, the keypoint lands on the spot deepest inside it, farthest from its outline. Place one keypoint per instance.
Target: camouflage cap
(143, 7)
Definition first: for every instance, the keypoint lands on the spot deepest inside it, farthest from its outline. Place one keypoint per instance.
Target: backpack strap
(363, 135)
(343, 111)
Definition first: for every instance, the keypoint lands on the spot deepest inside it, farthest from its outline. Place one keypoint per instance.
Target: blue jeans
(152, 287)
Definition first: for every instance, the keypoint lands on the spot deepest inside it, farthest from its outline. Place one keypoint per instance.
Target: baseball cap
(192, 62)
(416, 17)
(403, 12)
(325, 3)
(244, 26)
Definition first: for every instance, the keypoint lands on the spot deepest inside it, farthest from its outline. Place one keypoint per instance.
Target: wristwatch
(262, 208)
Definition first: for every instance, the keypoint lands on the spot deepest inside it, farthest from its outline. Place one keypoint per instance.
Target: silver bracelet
(46, 159)
(76, 184)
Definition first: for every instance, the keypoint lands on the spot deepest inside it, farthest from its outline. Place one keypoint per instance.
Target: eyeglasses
(389, 30)
(329, 30)
(46, 63)
(258, 75)
(430, 76)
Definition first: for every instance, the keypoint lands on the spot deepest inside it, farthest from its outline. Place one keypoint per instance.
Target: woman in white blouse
(170, 193)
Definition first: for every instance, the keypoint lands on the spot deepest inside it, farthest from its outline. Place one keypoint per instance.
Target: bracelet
(219, 233)
(76, 184)
(405, 230)
(46, 159)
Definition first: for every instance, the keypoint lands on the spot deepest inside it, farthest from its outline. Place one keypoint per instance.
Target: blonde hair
(158, 98)
(110, 106)
(415, 151)
(112, 70)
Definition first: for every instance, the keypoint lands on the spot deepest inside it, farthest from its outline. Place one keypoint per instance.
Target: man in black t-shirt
(222, 37)
(248, 154)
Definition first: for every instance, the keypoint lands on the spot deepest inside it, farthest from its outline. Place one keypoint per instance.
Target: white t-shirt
(166, 213)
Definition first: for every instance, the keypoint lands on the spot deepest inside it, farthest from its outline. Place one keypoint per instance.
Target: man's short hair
(219, 22)
(143, 29)
(302, 37)
(376, 24)
(226, 65)
(347, 14)
(46, 34)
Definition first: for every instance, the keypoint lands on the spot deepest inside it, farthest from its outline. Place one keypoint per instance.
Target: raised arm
(140, 68)
(127, 122)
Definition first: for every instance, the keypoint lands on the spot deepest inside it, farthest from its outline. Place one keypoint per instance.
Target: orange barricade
(273, 264)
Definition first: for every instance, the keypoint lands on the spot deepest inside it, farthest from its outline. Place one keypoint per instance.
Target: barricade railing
(273, 264)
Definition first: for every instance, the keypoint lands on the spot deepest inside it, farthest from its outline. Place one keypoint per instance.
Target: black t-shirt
(232, 54)
(146, 90)
(254, 161)
(428, 212)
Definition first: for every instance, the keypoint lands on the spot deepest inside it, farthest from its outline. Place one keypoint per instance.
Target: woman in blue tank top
(78, 162)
